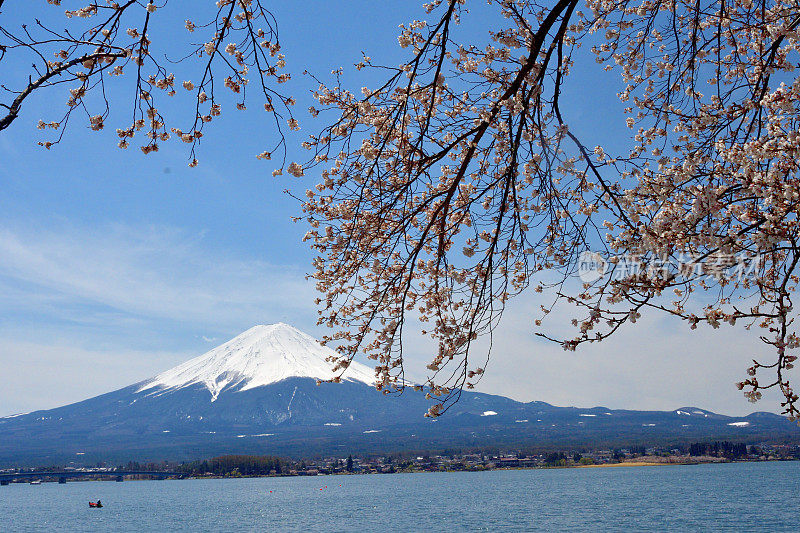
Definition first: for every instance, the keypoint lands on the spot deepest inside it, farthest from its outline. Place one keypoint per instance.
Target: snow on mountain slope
(260, 356)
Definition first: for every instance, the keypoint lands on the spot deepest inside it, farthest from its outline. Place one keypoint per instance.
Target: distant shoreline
(53, 476)
(641, 463)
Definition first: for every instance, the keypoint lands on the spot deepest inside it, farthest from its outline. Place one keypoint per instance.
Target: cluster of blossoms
(114, 39)
(439, 197)
(457, 183)
(714, 105)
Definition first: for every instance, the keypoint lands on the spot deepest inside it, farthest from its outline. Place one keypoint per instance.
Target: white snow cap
(260, 356)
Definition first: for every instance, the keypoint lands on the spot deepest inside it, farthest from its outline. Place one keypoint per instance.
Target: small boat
(96, 504)
(36, 482)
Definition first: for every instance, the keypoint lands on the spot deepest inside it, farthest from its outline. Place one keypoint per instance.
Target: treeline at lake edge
(452, 460)
(236, 465)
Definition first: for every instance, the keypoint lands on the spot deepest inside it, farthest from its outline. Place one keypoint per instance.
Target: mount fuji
(258, 394)
(260, 356)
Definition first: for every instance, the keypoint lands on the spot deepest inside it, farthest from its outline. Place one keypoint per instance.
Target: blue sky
(115, 266)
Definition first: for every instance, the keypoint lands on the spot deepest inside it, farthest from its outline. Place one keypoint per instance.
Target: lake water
(740, 496)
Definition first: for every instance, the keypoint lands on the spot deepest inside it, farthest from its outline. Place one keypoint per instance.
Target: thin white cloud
(152, 273)
(70, 374)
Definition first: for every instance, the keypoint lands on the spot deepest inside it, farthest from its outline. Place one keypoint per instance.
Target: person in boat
(99, 504)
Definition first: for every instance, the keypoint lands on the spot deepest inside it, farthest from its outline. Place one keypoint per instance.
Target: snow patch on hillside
(12, 416)
(260, 356)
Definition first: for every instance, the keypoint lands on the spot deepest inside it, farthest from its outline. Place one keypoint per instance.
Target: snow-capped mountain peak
(260, 356)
